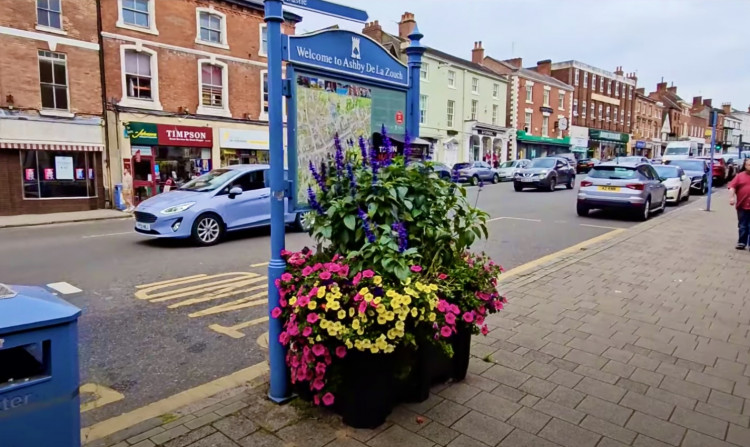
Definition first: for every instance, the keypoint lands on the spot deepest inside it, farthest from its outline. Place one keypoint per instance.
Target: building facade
(647, 125)
(51, 134)
(539, 107)
(602, 109)
(186, 87)
(744, 134)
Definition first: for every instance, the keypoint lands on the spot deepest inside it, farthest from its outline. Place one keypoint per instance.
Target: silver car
(508, 169)
(635, 186)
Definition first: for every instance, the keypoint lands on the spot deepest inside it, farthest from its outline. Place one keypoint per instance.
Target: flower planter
(303, 391)
(461, 343)
(365, 396)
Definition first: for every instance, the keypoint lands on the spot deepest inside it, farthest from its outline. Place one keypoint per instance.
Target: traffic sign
(330, 9)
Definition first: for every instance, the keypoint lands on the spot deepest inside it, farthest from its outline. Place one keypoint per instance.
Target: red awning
(53, 147)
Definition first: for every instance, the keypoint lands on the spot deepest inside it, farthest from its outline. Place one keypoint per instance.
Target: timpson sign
(185, 136)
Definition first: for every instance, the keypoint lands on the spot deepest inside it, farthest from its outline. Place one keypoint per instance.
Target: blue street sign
(347, 53)
(330, 9)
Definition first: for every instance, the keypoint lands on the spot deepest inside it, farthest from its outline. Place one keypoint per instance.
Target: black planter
(435, 367)
(415, 387)
(461, 342)
(303, 391)
(366, 393)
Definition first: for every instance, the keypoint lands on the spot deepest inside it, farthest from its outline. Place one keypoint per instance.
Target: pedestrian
(739, 189)
(127, 190)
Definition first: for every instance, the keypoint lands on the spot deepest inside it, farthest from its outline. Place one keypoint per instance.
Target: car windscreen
(613, 172)
(543, 163)
(458, 166)
(628, 159)
(677, 150)
(688, 165)
(211, 181)
(507, 164)
(667, 171)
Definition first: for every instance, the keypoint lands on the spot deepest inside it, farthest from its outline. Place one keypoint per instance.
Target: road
(161, 317)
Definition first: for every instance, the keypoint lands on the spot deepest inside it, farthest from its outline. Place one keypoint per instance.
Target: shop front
(165, 156)
(607, 145)
(242, 147)
(49, 166)
(580, 148)
(532, 146)
(487, 142)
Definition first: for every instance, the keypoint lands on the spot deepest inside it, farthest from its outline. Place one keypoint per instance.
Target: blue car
(206, 208)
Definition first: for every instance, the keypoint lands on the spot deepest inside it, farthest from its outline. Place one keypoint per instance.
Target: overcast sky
(655, 38)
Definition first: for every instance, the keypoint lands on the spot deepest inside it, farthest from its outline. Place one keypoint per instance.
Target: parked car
(677, 150)
(676, 181)
(206, 208)
(568, 156)
(657, 160)
(631, 159)
(508, 169)
(474, 172)
(622, 185)
(585, 164)
(696, 170)
(732, 166)
(442, 170)
(547, 173)
(721, 173)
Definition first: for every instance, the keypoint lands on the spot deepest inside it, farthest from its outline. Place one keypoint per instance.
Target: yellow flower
(382, 320)
(293, 301)
(312, 305)
(391, 293)
(381, 344)
(410, 291)
(364, 291)
(342, 314)
(369, 297)
(380, 308)
(400, 325)
(408, 281)
(390, 316)
(377, 280)
(377, 300)
(389, 349)
(407, 300)
(349, 344)
(332, 332)
(366, 344)
(335, 289)
(433, 287)
(318, 338)
(351, 312)
(334, 305)
(414, 312)
(355, 324)
(360, 331)
(324, 323)
(374, 349)
(391, 334)
(322, 292)
(431, 317)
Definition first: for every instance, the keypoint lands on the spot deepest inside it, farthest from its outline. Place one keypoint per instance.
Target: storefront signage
(330, 9)
(143, 151)
(486, 133)
(64, 168)
(347, 53)
(142, 133)
(243, 139)
(546, 110)
(640, 144)
(399, 117)
(596, 134)
(49, 174)
(30, 175)
(185, 136)
(579, 142)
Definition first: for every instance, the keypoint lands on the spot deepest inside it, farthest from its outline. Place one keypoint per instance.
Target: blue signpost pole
(714, 117)
(279, 389)
(414, 51)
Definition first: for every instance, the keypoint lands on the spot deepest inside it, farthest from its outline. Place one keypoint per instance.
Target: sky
(696, 44)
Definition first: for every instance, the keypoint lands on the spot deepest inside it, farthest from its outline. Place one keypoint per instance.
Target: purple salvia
(366, 224)
(363, 149)
(407, 149)
(339, 155)
(318, 178)
(352, 180)
(403, 237)
(313, 201)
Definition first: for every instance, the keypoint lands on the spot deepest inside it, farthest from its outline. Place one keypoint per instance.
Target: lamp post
(713, 120)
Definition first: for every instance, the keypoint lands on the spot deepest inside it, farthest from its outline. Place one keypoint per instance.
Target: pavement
(640, 338)
(30, 220)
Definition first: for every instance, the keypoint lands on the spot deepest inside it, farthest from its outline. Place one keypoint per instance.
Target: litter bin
(39, 402)
(117, 199)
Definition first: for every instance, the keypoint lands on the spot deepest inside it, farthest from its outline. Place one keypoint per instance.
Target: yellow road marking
(570, 250)
(263, 340)
(103, 396)
(262, 264)
(211, 297)
(234, 331)
(239, 279)
(169, 281)
(234, 305)
(115, 424)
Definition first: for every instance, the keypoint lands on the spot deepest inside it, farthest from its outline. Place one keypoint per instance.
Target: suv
(475, 172)
(545, 173)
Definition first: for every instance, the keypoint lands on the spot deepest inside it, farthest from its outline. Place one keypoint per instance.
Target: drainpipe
(102, 77)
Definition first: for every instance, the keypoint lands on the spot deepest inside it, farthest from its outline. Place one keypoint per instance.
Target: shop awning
(579, 149)
(522, 137)
(416, 141)
(53, 147)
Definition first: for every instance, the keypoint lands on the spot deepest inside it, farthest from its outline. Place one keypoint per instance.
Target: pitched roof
(533, 75)
(466, 63)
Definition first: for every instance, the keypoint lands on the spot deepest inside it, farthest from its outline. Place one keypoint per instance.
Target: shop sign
(617, 137)
(486, 133)
(185, 136)
(579, 142)
(30, 175)
(64, 168)
(640, 144)
(547, 110)
(142, 133)
(244, 139)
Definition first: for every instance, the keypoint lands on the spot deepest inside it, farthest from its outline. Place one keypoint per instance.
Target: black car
(695, 168)
(585, 164)
(545, 173)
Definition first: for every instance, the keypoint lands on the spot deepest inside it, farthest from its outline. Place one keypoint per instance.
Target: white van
(680, 150)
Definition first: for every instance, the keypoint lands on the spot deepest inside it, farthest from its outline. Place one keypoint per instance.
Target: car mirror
(234, 192)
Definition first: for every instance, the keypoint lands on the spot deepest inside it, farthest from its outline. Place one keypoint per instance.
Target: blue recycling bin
(117, 197)
(39, 402)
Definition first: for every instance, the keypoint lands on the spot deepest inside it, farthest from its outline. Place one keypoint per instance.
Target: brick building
(647, 124)
(539, 106)
(602, 107)
(51, 134)
(186, 87)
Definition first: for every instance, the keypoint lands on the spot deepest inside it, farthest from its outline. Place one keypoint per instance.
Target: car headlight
(177, 208)
(543, 173)
(673, 188)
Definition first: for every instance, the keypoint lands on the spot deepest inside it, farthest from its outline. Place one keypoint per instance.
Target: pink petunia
(442, 306)
(480, 320)
(318, 350)
(284, 338)
(357, 279)
(341, 352)
(302, 373)
(334, 268)
(325, 276)
(294, 362)
(362, 307)
(317, 267)
(485, 331)
(450, 318)
(344, 271)
(277, 282)
(285, 253)
(336, 257)
(357, 298)
(306, 332)
(368, 274)
(445, 331)
(303, 301)
(468, 317)
(416, 268)
(286, 277)
(502, 269)
(312, 318)
(283, 303)
(328, 399)
(320, 369)
(276, 312)
(455, 309)
(293, 330)
(317, 384)
(316, 399)
(307, 271)
(442, 276)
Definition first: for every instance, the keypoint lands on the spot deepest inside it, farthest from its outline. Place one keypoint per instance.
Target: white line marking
(514, 218)
(601, 226)
(64, 288)
(106, 235)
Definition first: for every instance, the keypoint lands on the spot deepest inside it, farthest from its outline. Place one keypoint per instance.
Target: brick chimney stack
(374, 31)
(406, 25)
(661, 87)
(707, 103)
(618, 71)
(727, 108)
(672, 89)
(516, 62)
(633, 76)
(544, 67)
(697, 100)
(641, 91)
(477, 54)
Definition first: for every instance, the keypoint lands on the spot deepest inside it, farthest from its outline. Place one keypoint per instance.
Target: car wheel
(679, 197)
(645, 210)
(207, 229)
(582, 210)
(571, 182)
(474, 181)
(302, 222)
(552, 184)
(704, 188)
(495, 178)
(687, 196)
(517, 186)
(663, 203)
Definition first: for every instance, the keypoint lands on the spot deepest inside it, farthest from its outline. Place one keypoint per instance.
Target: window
(577, 74)
(601, 113)
(630, 92)
(638, 107)
(527, 122)
(575, 107)
(53, 79)
(545, 126)
(264, 93)
(422, 109)
(593, 110)
(546, 98)
(213, 88)
(474, 85)
(583, 109)
(451, 110)
(424, 72)
(137, 15)
(601, 85)
(609, 87)
(212, 28)
(617, 89)
(529, 93)
(263, 51)
(494, 114)
(451, 79)
(50, 174)
(495, 91)
(474, 104)
(593, 82)
(561, 101)
(138, 74)
(607, 113)
(585, 79)
(615, 114)
(49, 13)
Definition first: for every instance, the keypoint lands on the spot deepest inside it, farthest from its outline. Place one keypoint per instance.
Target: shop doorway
(144, 184)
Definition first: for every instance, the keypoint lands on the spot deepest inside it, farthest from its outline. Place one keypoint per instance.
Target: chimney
(661, 87)
(406, 25)
(672, 89)
(707, 103)
(477, 54)
(374, 31)
(618, 71)
(727, 107)
(697, 100)
(516, 62)
(544, 67)
(641, 91)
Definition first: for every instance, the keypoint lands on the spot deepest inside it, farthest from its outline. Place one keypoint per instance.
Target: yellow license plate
(609, 188)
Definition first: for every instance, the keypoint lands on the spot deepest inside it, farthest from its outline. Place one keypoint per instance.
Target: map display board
(327, 107)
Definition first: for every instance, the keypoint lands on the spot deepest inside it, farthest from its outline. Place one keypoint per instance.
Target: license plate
(609, 188)
(143, 226)
(527, 180)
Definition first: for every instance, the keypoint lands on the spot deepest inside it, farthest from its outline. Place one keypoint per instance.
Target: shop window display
(50, 174)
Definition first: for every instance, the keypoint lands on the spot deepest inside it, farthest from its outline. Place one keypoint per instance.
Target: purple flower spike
(407, 149)
(313, 201)
(352, 180)
(366, 224)
(318, 178)
(403, 237)
(339, 155)
(363, 149)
